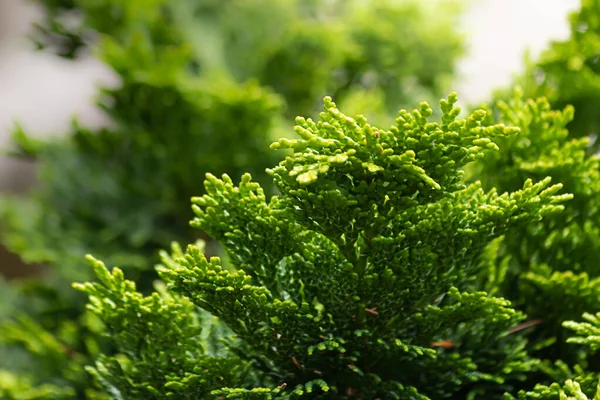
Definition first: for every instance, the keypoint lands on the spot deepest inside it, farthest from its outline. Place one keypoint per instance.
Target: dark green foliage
(204, 86)
(166, 126)
(69, 26)
(379, 271)
(341, 297)
(55, 31)
(144, 147)
(160, 350)
(550, 269)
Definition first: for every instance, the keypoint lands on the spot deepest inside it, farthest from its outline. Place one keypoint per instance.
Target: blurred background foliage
(568, 72)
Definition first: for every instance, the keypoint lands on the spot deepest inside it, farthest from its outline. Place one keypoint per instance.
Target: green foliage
(204, 86)
(330, 296)
(159, 343)
(173, 111)
(308, 48)
(568, 72)
(550, 268)
(379, 270)
(50, 351)
(110, 202)
(587, 331)
(69, 26)
(15, 387)
(571, 390)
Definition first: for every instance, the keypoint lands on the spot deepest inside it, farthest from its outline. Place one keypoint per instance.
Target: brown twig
(524, 325)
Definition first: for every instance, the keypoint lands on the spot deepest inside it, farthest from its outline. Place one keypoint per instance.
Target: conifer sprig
(342, 285)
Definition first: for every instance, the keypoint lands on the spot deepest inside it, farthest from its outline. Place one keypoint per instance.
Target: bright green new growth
(13, 386)
(571, 390)
(161, 350)
(342, 286)
(589, 331)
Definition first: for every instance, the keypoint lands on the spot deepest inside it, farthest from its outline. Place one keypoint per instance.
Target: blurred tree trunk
(17, 176)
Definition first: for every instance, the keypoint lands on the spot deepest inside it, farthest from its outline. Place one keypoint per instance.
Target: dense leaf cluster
(379, 270)
(548, 269)
(204, 86)
(331, 296)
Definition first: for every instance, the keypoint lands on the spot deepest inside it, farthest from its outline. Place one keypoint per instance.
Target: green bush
(441, 258)
(362, 278)
(379, 271)
(205, 86)
(356, 281)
